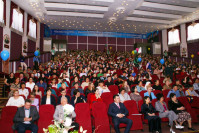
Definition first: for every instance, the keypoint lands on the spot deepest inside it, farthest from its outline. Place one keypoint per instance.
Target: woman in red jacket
(95, 97)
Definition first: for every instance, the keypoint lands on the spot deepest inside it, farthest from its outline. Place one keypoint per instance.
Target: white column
(183, 39)
(164, 40)
(6, 29)
(38, 35)
(24, 37)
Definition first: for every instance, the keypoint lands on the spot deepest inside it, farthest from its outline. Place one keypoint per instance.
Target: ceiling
(128, 16)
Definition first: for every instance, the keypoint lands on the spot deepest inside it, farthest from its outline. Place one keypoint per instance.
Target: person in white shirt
(83, 73)
(84, 84)
(59, 114)
(23, 90)
(102, 88)
(191, 92)
(16, 100)
(123, 95)
(30, 84)
(196, 84)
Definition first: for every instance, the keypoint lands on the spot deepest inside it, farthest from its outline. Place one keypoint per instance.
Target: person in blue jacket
(149, 93)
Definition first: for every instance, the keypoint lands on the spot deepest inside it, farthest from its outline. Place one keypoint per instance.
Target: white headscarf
(147, 83)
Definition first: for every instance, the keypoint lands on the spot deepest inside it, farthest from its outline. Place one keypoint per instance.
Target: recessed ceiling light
(104, 0)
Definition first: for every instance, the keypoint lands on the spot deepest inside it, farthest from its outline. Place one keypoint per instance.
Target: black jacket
(52, 100)
(20, 115)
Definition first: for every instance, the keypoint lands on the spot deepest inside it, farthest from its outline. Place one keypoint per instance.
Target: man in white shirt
(118, 112)
(102, 88)
(196, 84)
(23, 90)
(191, 92)
(59, 112)
(25, 117)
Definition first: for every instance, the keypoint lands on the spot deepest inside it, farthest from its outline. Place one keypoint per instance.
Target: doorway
(60, 45)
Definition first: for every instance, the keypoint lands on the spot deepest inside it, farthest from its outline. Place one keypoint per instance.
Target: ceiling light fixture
(76, 6)
(76, 14)
(168, 7)
(148, 20)
(104, 0)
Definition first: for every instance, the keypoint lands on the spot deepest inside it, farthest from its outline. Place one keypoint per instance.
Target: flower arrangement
(6, 39)
(65, 126)
(24, 45)
(57, 128)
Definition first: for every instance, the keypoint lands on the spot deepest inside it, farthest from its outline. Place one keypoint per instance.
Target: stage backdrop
(94, 40)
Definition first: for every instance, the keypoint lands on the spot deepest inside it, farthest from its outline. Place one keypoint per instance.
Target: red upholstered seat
(101, 119)
(114, 89)
(142, 93)
(107, 98)
(23, 97)
(7, 117)
(195, 104)
(83, 116)
(46, 113)
(186, 104)
(157, 92)
(17, 75)
(165, 93)
(153, 102)
(29, 90)
(89, 98)
(133, 115)
(42, 90)
(154, 77)
(56, 90)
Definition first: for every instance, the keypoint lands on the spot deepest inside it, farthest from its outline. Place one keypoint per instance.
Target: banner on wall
(152, 37)
(97, 33)
(48, 32)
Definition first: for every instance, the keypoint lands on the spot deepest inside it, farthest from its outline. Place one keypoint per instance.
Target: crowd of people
(73, 75)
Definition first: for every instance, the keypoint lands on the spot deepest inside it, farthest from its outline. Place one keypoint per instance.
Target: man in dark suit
(25, 117)
(119, 112)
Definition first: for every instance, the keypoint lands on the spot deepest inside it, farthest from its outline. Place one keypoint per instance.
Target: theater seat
(186, 104)
(46, 113)
(142, 93)
(101, 119)
(7, 117)
(107, 98)
(165, 93)
(83, 116)
(113, 89)
(134, 114)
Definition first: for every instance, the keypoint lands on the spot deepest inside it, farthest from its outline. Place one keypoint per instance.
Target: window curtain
(1, 11)
(16, 18)
(174, 36)
(192, 31)
(32, 27)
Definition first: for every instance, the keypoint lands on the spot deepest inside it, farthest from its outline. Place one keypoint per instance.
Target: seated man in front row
(59, 112)
(25, 117)
(119, 112)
